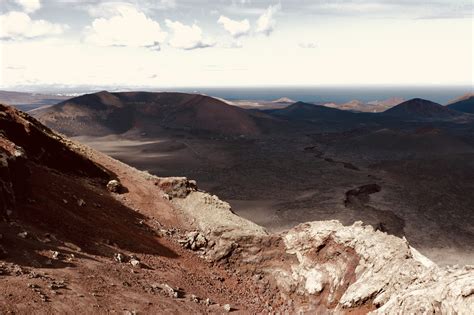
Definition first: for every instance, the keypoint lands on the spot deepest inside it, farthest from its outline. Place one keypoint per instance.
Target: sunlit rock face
(325, 266)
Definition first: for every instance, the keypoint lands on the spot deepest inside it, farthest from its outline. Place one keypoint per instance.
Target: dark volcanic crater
(405, 171)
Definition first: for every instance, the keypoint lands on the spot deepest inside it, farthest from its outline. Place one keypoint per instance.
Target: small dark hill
(418, 108)
(463, 104)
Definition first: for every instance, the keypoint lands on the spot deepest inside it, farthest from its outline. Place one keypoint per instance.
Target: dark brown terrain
(281, 167)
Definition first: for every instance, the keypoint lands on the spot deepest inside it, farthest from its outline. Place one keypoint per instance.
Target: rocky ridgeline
(325, 266)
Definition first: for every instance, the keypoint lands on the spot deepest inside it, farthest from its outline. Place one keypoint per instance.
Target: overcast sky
(236, 42)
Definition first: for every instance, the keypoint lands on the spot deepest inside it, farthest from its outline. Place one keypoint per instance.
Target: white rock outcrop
(326, 267)
(389, 275)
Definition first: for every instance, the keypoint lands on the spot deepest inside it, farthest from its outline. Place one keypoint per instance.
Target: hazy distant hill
(305, 111)
(111, 113)
(369, 107)
(463, 104)
(461, 98)
(28, 101)
(284, 100)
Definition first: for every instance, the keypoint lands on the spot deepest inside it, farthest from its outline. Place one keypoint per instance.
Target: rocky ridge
(327, 266)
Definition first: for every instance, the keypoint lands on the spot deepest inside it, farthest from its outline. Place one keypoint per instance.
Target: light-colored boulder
(114, 186)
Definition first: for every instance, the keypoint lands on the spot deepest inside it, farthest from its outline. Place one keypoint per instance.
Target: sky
(179, 43)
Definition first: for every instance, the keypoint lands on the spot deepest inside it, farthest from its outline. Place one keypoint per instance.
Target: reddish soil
(83, 277)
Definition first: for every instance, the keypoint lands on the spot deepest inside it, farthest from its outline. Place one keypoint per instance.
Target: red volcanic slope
(105, 113)
(60, 228)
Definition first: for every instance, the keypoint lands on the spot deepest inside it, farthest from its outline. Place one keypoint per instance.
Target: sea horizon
(315, 94)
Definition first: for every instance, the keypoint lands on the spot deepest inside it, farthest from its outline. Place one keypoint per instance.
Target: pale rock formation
(176, 187)
(327, 267)
(224, 230)
(437, 291)
(194, 241)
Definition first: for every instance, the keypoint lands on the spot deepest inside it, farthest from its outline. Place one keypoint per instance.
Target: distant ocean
(437, 94)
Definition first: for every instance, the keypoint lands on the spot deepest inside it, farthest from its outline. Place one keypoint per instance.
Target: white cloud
(187, 37)
(96, 65)
(372, 41)
(235, 44)
(255, 64)
(17, 25)
(266, 22)
(235, 28)
(29, 5)
(125, 26)
(108, 9)
(309, 45)
(168, 3)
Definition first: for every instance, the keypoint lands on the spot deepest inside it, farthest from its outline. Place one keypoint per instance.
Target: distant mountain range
(414, 109)
(151, 114)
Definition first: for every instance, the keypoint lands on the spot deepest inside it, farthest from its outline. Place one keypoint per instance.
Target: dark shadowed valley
(303, 162)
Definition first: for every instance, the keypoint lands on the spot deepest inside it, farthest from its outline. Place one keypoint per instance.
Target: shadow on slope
(52, 191)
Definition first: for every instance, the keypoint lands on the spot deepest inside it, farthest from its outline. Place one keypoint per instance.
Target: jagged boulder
(194, 240)
(176, 187)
